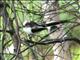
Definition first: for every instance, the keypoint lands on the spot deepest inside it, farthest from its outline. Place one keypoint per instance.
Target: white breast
(27, 30)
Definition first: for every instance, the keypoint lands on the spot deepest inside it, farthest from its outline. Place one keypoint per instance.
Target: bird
(32, 27)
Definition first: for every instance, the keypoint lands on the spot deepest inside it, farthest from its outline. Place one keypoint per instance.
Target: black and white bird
(31, 27)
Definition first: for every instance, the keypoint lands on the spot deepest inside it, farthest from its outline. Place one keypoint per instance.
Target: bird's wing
(38, 29)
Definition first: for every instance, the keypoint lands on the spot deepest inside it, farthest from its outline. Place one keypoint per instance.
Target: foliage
(37, 47)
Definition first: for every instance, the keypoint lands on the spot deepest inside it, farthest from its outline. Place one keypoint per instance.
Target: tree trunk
(60, 50)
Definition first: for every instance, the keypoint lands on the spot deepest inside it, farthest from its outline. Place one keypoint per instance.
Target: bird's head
(26, 23)
(27, 27)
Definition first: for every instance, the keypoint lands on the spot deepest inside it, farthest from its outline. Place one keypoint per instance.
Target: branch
(8, 31)
(52, 41)
(49, 41)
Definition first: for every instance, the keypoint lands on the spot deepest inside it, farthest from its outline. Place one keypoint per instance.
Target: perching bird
(31, 27)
